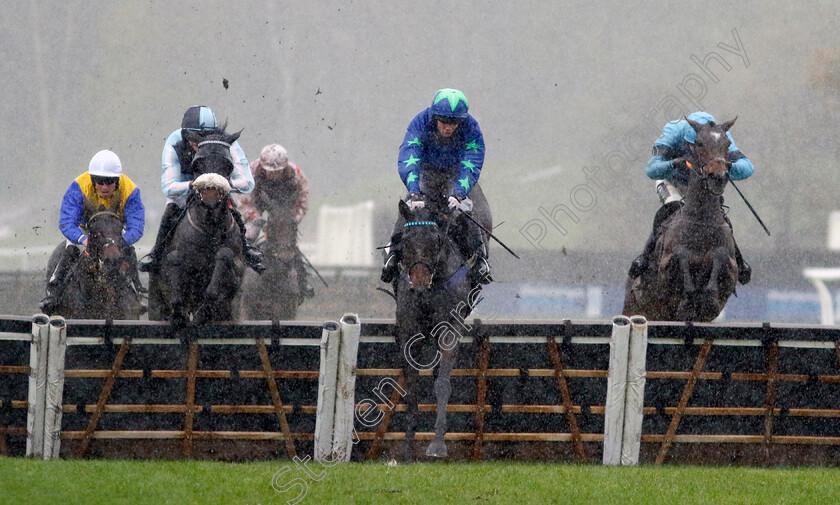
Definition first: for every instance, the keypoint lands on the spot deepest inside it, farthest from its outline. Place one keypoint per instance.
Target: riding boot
(744, 269)
(392, 260)
(253, 256)
(640, 264)
(171, 215)
(480, 271)
(57, 282)
(305, 288)
(468, 239)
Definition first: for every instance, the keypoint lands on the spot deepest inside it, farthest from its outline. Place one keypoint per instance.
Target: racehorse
(694, 269)
(275, 294)
(434, 296)
(202, 268)
(100, 284)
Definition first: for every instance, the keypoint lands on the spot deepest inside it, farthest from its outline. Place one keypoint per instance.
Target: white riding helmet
(105, 164)
(273, 158)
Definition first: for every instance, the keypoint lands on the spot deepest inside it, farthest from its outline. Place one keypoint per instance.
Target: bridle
(704, 176)
(431, 263)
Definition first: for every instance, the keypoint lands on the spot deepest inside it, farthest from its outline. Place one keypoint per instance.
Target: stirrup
(253, 258)
(48, 304)
(637, 268)
(744, 273)
(306, 290)
(480, 271)
(147, 266)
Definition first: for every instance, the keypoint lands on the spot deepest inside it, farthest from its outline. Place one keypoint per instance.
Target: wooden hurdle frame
(749, 393)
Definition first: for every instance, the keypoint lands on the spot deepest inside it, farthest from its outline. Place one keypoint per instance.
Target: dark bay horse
(694, 271)
(275, 294)
(100, 283)
(434, 296)
(202, 268)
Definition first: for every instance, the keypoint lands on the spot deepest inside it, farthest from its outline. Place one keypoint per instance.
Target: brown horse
(275, 294)
(100, 285)
(694, 271)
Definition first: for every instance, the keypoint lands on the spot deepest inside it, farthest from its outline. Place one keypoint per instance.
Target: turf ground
(32, 482)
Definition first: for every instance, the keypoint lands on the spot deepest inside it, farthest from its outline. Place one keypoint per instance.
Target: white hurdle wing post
(345, 406)
(325, 417)
(635, 395)
(616, 384)
(36, 397)
(55, 387)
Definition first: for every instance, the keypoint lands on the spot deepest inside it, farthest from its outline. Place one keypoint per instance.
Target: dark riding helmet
(199, 118)
(451, 104)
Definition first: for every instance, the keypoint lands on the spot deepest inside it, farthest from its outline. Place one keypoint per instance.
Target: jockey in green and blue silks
(426, 148)
(440, 159)
(673, 144)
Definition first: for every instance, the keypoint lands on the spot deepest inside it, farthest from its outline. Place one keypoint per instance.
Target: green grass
(31, 482)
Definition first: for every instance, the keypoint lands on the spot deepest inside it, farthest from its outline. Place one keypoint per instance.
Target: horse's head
(213, 153)
(105, 241)
(212, 190)
(710, 150)
(424, 245)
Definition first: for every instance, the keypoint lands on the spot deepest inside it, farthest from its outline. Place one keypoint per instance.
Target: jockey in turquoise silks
(669, 153)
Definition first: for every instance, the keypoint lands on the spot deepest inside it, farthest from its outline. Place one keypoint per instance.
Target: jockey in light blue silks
(669, 153)
(103, 187)
(441, 157)
(176, 182)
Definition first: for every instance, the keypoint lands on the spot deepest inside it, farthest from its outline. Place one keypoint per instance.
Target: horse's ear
(694, 124)
(190, 135)
(233, 137)
(405, 210)
(727, 125)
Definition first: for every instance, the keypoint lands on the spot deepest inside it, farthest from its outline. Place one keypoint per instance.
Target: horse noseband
(427, 265)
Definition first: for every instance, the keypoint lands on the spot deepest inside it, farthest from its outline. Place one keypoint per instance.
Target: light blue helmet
(450, 103)
(199, 118)
(699, 117)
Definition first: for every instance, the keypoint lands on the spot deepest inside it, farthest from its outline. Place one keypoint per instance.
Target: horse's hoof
(436, 449)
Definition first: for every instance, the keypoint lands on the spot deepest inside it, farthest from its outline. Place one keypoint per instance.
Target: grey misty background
(556, 87)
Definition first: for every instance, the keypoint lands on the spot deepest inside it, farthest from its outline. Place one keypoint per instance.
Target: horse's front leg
(173, 268)
(411, 375)
(720, 260)
(443, 390)
(711, 304)
(212, 308)
(683, 258)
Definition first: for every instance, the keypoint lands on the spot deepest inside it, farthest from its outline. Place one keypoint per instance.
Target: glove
(464, 205)
(415, 201)
(679, 164)
(454, 203)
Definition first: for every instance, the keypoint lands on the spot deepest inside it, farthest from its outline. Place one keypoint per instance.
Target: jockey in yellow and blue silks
(441, 158)
(670, 151)
(103, 187)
